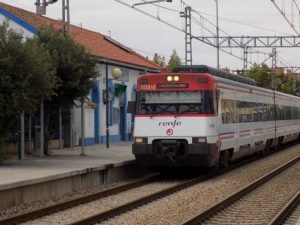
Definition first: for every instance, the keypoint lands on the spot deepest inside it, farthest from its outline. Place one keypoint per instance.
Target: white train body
(245, 137)
(232, 119)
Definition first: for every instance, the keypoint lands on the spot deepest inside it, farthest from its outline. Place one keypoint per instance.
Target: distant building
(110, 53)
(287, 72)
(226, 69)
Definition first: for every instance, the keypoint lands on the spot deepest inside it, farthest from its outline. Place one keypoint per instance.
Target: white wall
(88, 122)
(17, 27)
(114, 129)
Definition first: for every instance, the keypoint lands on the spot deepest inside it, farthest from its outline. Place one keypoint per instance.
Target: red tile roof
(96, 43)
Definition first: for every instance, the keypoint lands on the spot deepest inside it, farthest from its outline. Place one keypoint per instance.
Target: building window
(116, 115)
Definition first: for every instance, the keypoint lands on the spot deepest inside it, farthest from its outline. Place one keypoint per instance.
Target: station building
(111, 54)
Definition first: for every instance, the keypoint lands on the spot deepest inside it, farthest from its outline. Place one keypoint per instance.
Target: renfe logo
(172, 124)
(169, 132)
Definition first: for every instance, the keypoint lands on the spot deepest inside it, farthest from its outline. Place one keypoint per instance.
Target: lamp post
(116, 73)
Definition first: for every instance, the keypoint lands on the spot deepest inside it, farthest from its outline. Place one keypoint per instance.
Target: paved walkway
(62, 163)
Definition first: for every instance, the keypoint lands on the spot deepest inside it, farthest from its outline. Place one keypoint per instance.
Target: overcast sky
(147, 35)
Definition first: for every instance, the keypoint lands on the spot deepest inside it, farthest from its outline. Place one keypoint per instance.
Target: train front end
(176, 121)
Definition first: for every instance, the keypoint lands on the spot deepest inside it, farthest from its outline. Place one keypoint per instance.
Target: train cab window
(175, 102)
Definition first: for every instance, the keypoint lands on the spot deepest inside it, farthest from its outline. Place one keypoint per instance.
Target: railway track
(120, 209)
(290, 213)
(78, 201)
(233, 209)
(104, 215)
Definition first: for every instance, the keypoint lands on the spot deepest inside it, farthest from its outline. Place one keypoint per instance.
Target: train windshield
(175, 102)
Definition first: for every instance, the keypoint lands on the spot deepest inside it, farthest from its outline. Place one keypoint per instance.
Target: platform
(64, 171)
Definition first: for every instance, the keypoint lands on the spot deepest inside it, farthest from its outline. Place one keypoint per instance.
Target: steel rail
(75, 202)
(286, 210)
(206, 214)
(137, 203)
(100, 217)
(78, 201)
(69, 204)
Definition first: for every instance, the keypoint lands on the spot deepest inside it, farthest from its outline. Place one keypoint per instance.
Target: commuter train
(198, 116)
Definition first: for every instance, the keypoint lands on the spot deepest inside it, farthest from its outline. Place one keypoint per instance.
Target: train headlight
(197, 140)
(169, 78)
(140, 140)
(176, 78)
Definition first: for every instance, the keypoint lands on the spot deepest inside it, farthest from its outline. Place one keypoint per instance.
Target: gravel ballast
(183, 205)
(172, 209)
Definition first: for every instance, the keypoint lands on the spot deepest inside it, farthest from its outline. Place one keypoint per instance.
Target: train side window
(232, 111)
(245, 112)
(223, 111)
(228, 110)
(256, 111)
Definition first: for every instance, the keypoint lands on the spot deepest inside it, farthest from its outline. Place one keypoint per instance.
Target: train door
(227, 120)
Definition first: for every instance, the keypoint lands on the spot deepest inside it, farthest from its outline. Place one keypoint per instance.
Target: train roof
(214, 72)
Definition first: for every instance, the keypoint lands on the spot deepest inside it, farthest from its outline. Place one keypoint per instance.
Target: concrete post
(29, 134)
(42, 128)
(82, 127)
(60, 128)
(22, 147)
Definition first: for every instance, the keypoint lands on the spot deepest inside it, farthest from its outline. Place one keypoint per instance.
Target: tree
(26, 76)
(75, 70)
(287, 86)
(174, 61)
(262, 74)
(159, 60)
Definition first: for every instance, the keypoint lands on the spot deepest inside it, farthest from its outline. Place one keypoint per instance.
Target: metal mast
(188, 35)
(217, 31)
(245, 59)
(66, 16)
(274, 61)
(274, 83)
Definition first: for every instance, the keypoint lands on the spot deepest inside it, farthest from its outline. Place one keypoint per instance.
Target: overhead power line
(209, 40)
(283, 13)
(171, 25)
